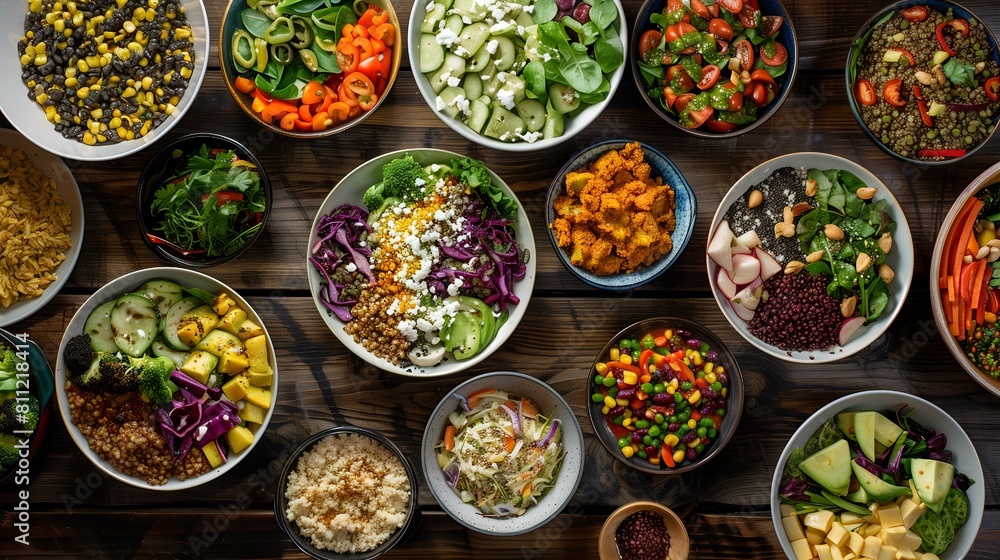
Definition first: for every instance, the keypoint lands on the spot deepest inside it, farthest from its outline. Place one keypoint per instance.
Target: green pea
(956, 132)
(618, 420)
(613, 391)
(609, 381)
(647, 440)
(640, 424)
(716, 386)
(712, 432)
(682, 430)
(686, 386)
(647, 343)
(598, 379)
(624, 344)
(642, 454)
(597, 397)
(704, 348)
(659, 388)
(678, 398)
(699, 448)
(701, 374)
(654, 431)
(904, 24)
(720, 412)
(702, 431)
(886, 119)
(706, 422)
(624, 441)
(658, 418)
(672, 419)
(656, 442)
(646, 388)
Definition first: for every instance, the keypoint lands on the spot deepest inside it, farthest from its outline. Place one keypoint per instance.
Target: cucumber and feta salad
(514, 70)
(875, 485)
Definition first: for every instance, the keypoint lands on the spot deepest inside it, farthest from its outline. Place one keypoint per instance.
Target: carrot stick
(965, 232)
(952, 259)
(973, 246)
(977, 284)
(449, 437)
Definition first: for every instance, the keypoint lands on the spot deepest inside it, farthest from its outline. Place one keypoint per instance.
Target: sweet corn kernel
(97, 113)
(609, 401)
(621, 402)
(628, 413)
(719, 369)
(671, 440)
(710, 377)
(695, 396)
(25, 58)
(625, 359)
(630, 378)
(604, 409)
(694, 442)
(674, 383)
(628, 451)
(601, 368)
(41, 59)
(693, 424)
(707, 368)
(83, 92)
(678, 455)
(89, 139)
(78, 19)
(627, 422)
(147, 82)
(671, 390)
(129, 26)
(614, 354)
(696, 358)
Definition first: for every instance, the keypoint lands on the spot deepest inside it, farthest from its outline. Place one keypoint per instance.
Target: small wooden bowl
(679, 542)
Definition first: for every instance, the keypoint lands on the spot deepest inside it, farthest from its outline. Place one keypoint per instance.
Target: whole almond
(811, 187)
(833, 232)
(863, 262)
(814, 256)
(786, 213)
(886, 273)
(848, 305)
(885, 243)
(756, 197)
(794, 267)
(866, 193)
(923, 77)
(801, 208)
(784, 229)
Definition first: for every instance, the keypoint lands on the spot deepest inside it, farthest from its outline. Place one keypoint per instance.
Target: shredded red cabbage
(551, 434)
(340, 233)
(795, 489)
(514, 419)
(185, 381)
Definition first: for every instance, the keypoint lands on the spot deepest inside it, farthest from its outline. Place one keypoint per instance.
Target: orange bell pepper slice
(244, 84)
(385, 33)
(360, 31)
(345, 95)
(339, 110)
(313, 93)
(347, 30)
(364, 46)
(373, 16)
(305, 113)
(277, 109)
(347, 56)
(377, 45)
(288, 121)
(258, 105)
(321, 121)
(329, 96)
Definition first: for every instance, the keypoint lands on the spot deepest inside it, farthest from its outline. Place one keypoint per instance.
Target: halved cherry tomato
(676, 75)
(761, 75)
(673, 6)
(682, 101)
(699, 8)
(700, 116)
(736, 99)
(339, 110)
(731, 6)
(770, 25)
(891, 93)
(709, 75)
(713, 10)
(748, 16)
(758, 93)
(864, 91)
(720, 28)
(313, 92)
(222, 197)
(905, 54)
(915, 13)
(678, 30)
(779, 58)
(669, 96)
(992, 87)
(715, 125)
(744, 52)
(649, 41)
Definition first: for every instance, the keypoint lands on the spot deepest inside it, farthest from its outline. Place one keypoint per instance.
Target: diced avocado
(830, 467)
(219, 342)
(878, 489)
(932, 479)
(239, 438)
(886, 431)
(223, 303)
(200, 365)
(256, 348)
(503, 125)
(211, 452)
(236, 388)
(195, 324)
(431, 53)
(232, 363)
(252, 413)
(258, 396)
(864, 429)
(232, 320)
(532, 112)
(845, 421)
(249, 329)
(261, 378)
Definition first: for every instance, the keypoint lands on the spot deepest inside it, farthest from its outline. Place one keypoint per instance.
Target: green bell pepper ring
(280, 31)
(244, 54)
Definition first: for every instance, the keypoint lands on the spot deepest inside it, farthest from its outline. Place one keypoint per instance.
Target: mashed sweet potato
(614, 217)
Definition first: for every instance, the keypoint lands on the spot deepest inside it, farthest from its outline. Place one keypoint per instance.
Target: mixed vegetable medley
(499, 452)
(713, 64)
(969, 279)
(514, 71)
(926, 83)
(20, 410)
(663, 395)
(213, 205)
(873, 484)
(427, 269)
(312, 64)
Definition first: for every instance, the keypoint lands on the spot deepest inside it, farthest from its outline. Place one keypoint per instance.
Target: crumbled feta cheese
(502, 77)
(506, 98)
(529, 9)
(498, 13)
(446, 38)
(453, 81)
(530, 137)
(492, 46)
(455, 287)
(460, 51)
(406, 327)
(466, 20)
(430, 7)
(520, 31)
(350, 267)
(546, 57)
(439, 103)
(462, 104)
(504, 137)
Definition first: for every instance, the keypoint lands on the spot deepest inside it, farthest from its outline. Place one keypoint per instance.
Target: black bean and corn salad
(926, 83)
(106, 70)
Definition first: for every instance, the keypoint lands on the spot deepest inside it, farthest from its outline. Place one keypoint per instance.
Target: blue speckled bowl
(786, 37)
(862, 38)
(685, 212)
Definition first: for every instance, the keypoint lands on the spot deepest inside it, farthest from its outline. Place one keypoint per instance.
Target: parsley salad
(426, 270)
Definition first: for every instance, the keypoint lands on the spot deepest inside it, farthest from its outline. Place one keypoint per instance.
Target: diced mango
(856, 543)
(802, 549)
(837, 553)
(820, 520)
(236, 388)
(223, 303)
(252, 413)
(212, 454)
(911, 511)
(837, 535)
(793, 529)
(814, 536)
(257, 353)
(848, 518)
(249, 329)
(258, 396)
(232, 363)
(199, 365)
(232, 320)
(239, 438)
(195, 324)
(905, 554)
(890, 516)
(871, 529)
(786, 510)
(892, 535)
(911, 541)
(261, 379)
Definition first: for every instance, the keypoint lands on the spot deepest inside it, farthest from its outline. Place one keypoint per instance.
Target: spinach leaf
(598, 95)
(603, 13)
(847, 276)
(960, 72)
(534, 80)
(823, 186)
(333, 19)
(255, 22)
(589, 33)
(651, 74)
(300, 7)
(838, 196)
(581, 72)
(326, 62)
(878, 299)
(818, 267)
(544, 11)
(609, 54)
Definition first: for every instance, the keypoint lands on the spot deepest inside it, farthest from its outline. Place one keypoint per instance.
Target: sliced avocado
(878, 489)
(859, 496)
(864, 429)
(464, 336)
(933, 480)
(886, 431)
(845, 421)
(830, 467)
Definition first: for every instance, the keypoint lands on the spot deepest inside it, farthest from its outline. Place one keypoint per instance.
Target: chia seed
(783, 187)
(798, 314)
(642, 536)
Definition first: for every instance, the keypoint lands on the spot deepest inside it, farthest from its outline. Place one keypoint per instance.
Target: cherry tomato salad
(713, 65)
(663, 395)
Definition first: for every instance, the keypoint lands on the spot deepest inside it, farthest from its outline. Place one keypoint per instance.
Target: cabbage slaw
(499, 453)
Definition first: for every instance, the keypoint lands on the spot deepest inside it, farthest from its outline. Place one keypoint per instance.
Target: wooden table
(76, 511)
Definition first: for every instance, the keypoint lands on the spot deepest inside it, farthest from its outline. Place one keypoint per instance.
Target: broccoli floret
(79, 354)
(404, 178)
(8, 453)
(117, 373)
(374, 196)
(154, 379)
(11, 418)
(8, 368)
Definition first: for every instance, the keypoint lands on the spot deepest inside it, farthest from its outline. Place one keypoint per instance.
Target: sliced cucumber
(454, 23)
(524, 19)
(506, 53)
(448, 95)
(433, 17)
(473, 85)
(173, 321)
(480, 60)
(163, 293)
(563, 98)
(160, 348)
(472, 9)
(479, 113)
(554, 123)
(431, 53)
(135, 323)
(532, 112)
(503, 125)
(452, 67)
(473, 37)
(98, 326)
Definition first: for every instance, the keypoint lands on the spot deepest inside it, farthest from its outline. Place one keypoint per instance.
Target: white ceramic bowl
(29, 118)
(926, 413)
(67, 188)
(573, 125)
(122, 285)
(349, 191)
(567, 479)
(900, 258)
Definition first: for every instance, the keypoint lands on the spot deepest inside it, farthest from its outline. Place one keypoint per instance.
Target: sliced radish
(768, 265)
(749, 296)
(848, 328)
(745, 269)
(748, 240)
(719, 249)
(725, 284)
(740, 250)
(741, 312)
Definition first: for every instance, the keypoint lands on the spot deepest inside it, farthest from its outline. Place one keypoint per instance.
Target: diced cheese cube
(802, 550)
(837, 553)
(887, 552)
(893, 535)
(872, 546)
(786, 510)
(856, 543)
(905, 554)
(793, 529)
(848, 518)
(814, 536)
(890, 516)
(899, 501)
(871, 529)
(823, 552)
(820, 520)
(911, 511)
(837, 535)
(911, 540)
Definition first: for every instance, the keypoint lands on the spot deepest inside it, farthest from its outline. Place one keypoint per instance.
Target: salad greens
(215, 203)
(863, 223)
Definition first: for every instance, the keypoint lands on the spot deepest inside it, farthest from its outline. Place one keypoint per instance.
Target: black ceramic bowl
(786, 36)
(304, 543)
(911, 107)
(168, 162)
(40, 384)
